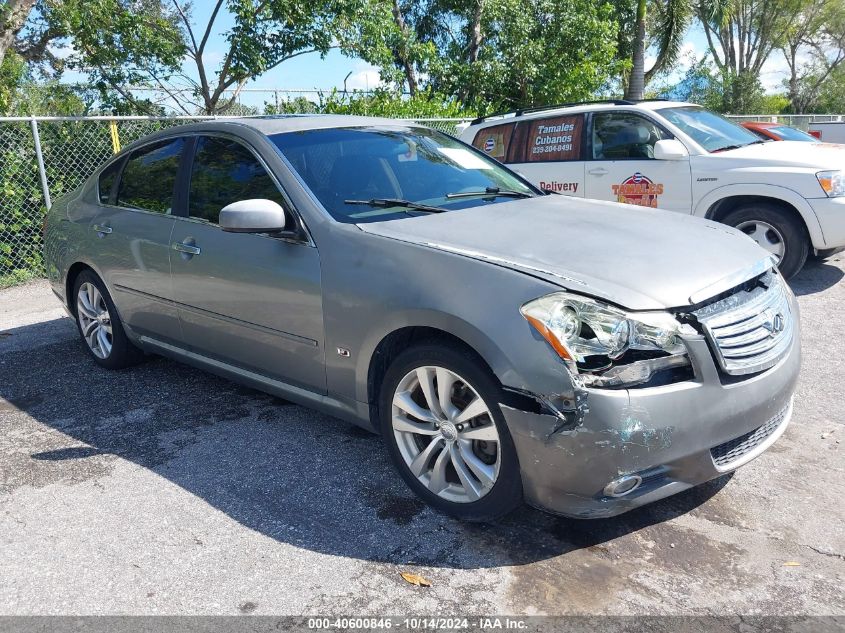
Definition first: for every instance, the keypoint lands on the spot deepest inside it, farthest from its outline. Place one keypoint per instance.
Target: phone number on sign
(431, 624)
(548, 149)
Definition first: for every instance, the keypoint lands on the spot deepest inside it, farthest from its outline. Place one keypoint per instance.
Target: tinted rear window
(149, 177)
(105, 184)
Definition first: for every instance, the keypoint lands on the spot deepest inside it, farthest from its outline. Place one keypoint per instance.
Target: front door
(623, 168)
(249, 300)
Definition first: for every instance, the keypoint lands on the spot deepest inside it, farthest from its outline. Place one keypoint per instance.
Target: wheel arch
(73, 272)
(72, 275)
(718, 203)
(398, 340)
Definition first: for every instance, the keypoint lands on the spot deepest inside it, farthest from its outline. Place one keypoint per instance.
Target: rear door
(132, 236)
(249, 300)
(622, 167)
(547, 150)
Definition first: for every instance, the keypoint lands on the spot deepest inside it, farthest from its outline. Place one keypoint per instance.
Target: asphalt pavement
(162, 489)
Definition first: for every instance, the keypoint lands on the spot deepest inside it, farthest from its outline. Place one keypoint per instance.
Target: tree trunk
(12, 18)
(636, 82)
(407, 64)
(475, 38)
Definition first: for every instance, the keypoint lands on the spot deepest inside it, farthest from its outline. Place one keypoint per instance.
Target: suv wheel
(100, 326)
(775, 229)
(444, 430)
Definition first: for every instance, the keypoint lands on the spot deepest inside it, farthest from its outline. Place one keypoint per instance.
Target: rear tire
(776, 229)
(99, 324)
(463, 457)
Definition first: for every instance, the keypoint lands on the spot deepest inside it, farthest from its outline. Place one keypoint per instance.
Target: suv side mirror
(670, 149)
(253, 216)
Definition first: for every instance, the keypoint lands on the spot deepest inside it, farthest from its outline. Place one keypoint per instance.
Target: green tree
(379, 32)
(741, 36)
(505, 54)
(389, 103)
(658, 25)
(831, 96)
(124, 43)
(13, 17)
(814, 48)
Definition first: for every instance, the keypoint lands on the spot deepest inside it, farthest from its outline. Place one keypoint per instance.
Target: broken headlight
(605, 345)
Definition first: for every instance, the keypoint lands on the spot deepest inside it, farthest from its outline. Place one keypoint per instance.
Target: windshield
(415, 166)
(713, 132)
(791, 134)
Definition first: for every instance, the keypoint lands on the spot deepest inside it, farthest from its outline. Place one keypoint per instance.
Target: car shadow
(287, 472)
(816, 276)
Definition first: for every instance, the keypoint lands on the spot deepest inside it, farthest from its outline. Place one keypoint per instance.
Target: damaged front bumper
(671, 437)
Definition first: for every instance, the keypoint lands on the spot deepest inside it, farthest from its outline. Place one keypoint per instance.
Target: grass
(16, 277)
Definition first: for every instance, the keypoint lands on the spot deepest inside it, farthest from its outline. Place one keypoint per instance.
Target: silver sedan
(509, 345)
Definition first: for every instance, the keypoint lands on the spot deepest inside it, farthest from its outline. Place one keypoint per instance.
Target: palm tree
(671, 21)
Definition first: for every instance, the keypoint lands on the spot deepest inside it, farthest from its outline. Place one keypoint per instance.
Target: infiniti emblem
(774, 324)
(448, 431)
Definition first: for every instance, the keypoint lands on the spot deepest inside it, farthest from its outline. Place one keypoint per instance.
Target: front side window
(356, 172)
(624, 136)
(224, 172)
(713, 132)
(149, 177)
(105, 183)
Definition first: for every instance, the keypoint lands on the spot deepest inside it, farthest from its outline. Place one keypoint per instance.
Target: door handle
(598, 171)
(101, 229)
(189, 249)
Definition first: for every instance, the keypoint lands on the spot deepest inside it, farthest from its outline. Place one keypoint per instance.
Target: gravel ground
(165, 490)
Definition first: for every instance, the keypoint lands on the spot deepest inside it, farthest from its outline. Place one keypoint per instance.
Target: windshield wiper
(397, 202)
(490, 192)
(727, 148)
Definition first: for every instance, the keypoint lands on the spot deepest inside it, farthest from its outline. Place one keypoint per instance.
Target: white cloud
(365, 77)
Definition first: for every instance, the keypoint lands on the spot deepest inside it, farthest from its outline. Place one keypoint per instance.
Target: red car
(777, 132)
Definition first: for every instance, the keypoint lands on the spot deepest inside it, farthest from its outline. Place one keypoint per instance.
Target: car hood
(797, 153)
(640, 259)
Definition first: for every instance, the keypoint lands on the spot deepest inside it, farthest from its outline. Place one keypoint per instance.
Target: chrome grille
(750, 330)
(733, 452)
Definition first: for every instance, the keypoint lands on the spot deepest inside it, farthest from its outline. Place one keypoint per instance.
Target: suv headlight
(832, 182)
(607, 346)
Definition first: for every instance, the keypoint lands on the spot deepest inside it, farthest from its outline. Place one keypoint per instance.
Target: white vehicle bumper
(831, 215)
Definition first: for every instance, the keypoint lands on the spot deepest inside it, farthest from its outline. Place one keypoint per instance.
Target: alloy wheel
(446, 434)
(94, 320)
(765, 235)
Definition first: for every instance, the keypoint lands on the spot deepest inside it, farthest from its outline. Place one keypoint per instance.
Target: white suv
(788, 196)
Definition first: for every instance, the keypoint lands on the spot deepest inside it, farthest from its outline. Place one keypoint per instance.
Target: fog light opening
(625, 485)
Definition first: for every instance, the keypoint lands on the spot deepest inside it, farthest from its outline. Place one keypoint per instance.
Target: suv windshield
(791, 134)
(412, 167)
(713, 132)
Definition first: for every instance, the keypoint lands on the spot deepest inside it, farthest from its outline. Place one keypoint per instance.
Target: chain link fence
(42, 158)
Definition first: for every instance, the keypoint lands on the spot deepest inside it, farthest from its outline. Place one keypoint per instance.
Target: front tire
(99, 324)
(446, 434)
(777, 230)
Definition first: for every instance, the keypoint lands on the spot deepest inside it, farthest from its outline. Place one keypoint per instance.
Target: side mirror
(253, 216)
(670, 149)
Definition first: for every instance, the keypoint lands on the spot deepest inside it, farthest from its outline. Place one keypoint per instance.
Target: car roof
(587, 106)
(269, 125)
(278, 124)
